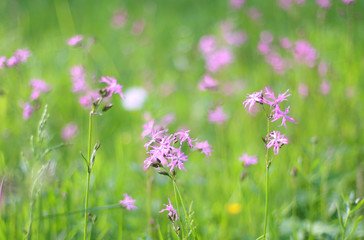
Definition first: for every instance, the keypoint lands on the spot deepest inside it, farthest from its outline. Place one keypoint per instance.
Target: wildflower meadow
(156, 119)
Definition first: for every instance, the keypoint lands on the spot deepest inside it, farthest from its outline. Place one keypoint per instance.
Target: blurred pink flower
(300, 1)
(325, 87)
(205, 147)
(347, 2)
(248, 160)
(323, 3)
(218, 116)
(2, 61)
(78, 77)
(69, 132)
(303, 90)
(264, 48)
(119, 18)
(207, 44)
(219, 59)
(20, 55)
(138, 27)
(128, 202)
(208, 83)
(27, 111)
(254, 13)
(285, 4)
(322, 68)
(277, 62)
(113, 87)
(304, 52)
(237, 4)
(285, 43)
(38, 86)
(167, 119)
(87, 100)
(75, 40)
(235, 38)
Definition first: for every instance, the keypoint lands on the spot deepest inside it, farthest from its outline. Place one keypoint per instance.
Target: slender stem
(88, 171)
(179, 213)
(266, 183)
(184, 209)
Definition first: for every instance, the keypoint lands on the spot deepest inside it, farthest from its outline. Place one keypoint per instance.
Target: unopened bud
(104, 93)
(107, 107)
(163, 173)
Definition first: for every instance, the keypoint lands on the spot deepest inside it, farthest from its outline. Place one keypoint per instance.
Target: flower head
(69, 131)
(38, 86)
(217, 115)
(205, 147)
(255, 97)
(277, 114)
(27, 110)
(78, 77)
(75, 40)
(276, 140)
(172, 213)
(128, 202)
(248, 160)
(208, 83)
(113, 86)
(305, 53)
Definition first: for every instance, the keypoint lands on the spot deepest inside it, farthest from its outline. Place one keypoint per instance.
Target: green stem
(266, 184)
(179, 213)
(88, 171)
(184, 209)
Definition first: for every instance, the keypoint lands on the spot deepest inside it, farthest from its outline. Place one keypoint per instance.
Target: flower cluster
(165, 150)
(89, 96)
(20, 56)
(38, 86)
(275, 139)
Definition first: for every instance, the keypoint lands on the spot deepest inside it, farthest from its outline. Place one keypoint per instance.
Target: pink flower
(208, 83)
(276, 140)
(38, 86)
(347, 2)
(285, 4)
(78, 77)
(27, 111)
(205, 147)
(207, 44)
(22, 55)
(254, 13)
(217, 115)
(277, 62)
(177, 160)
(273, 100)
(322, 68)
(237, 4)
(172, 213)
(277, 114)
(167, 119)
(87, 100)
(119, 18)
(303, 90)
(75, 40)
(218, 59)
(114, 87)
(304, 52)
(138, 27)
(251, 99)
(264, 47)
(2, 61)
(148, 128)
(285, 43)
(323, 3)
(325, 87)
(128, 202)
(69, 132)
(248, 160)
(235, 38)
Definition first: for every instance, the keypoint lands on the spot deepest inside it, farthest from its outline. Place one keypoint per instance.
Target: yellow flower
(234, 208)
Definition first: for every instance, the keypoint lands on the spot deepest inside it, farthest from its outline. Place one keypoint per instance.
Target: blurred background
(190, 63)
